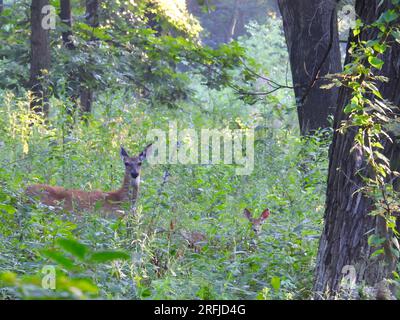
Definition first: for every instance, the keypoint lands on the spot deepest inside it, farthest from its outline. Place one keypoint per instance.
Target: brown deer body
(109, 202)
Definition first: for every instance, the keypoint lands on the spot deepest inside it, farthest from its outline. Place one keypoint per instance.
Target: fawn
(256, 223)
(196, 240)
(109, 202)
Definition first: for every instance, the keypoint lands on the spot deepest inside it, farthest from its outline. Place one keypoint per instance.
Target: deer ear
(265, 214)
(123, 153)
(145, 153)
(247, 213)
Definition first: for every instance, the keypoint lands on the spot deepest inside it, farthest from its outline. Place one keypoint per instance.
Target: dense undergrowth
(146, 256)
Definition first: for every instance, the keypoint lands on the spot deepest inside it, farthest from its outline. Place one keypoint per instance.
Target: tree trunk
(92, 13)
(40, 58)
(73, 87)
(152, 21)
(233, 23)
(1, 6)
(344, 240)
(92, 19)
(313, 44)
(66, 18)
(86, 100)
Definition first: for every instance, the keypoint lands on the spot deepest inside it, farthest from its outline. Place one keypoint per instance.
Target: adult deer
(256, 223)
(109, 202)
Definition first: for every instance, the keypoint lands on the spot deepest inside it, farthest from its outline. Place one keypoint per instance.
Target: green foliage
(76, 286)
(372, 117)
(146, 256)
(229, 265)
(367, 110)
(124, 52)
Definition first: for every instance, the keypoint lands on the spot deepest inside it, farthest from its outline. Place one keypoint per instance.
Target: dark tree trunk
(152, 21)
(92, 13)
(92, 19)
(40, 58)
(344, 240)
(66, 18)
(86, 100)
(1, 6)
(313, 44)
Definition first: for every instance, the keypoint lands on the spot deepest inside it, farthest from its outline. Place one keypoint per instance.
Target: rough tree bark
(313, 43)
(92, 19)
(344, 240)
(73, 77)
(40, 57)
(66, 18)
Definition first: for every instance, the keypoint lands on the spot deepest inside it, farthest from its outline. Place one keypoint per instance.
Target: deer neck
(130, 188)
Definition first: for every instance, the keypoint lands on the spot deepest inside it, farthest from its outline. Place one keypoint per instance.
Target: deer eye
(127, 163)
(140, 163)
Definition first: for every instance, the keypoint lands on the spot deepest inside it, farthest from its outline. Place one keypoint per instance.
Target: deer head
(133, 165)
(256, 223)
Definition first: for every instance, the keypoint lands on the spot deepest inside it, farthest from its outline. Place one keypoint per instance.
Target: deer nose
(134, 175)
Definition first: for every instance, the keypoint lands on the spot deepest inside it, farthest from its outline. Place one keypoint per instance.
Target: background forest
(108, 73)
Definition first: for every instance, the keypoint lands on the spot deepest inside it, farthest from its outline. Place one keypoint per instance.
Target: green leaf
(276, 283)
(73, 247)
(59, 258)
(8, 278)
(390, 15)
(7, 208)
(145, 293)
(377, 253)
(106, 256)
(380, 47)
(375, 62)
(375, 241)
(377, 93)
(85, 285)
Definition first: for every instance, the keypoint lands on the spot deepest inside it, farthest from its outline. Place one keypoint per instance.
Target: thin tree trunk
(233, 23)
(151, 16)
(40, 58)
(72, 89)
(313, 43)
(66, 18)
(92, 19)
(86, 100)
(92, 13)
(344, 240)
(1, 6)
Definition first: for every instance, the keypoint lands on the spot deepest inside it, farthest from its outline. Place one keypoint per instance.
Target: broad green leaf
(380, 47)
(390, 15)
(276, 283)
(59, 258)
(73, 247)
(106, 256)
(375, 62)
(375, 240)
(377, 253)
(8, 278)
(84, 284)
(7, 208)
